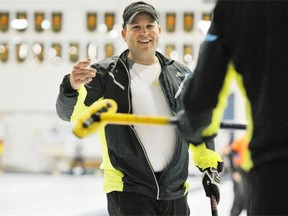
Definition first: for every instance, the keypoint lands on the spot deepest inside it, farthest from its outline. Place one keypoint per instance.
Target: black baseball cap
(137, 7)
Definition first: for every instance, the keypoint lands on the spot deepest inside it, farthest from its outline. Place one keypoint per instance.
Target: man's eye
(150, 26)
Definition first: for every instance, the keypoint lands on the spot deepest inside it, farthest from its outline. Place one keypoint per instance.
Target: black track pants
(123, 203)
(268, 189)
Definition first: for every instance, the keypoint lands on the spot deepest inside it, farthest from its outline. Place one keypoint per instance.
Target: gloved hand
(210, 164)
(205, 158)
(211, 181)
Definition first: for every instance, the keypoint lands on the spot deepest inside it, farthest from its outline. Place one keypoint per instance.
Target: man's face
(142, 35)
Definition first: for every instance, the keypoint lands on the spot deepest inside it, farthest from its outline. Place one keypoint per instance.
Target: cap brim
(151, 13)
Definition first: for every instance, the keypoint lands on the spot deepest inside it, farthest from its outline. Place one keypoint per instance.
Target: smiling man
(145, 167)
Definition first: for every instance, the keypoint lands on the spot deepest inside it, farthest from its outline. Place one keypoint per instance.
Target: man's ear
(123, 33)
(160, 29)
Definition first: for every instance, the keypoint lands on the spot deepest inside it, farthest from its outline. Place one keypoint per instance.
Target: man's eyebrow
(135, 23)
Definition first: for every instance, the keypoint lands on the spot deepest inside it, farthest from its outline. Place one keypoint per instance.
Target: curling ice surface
(34, 194)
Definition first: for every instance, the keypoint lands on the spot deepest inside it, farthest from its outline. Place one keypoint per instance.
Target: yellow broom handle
(126, 119)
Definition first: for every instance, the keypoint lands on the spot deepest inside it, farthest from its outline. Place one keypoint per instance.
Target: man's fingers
(81, 75)
(76, 82)
(88, 71)
(87, 80)
(82, 64)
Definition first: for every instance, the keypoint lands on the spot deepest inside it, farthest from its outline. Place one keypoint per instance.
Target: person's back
(258, 42)
(251, 36)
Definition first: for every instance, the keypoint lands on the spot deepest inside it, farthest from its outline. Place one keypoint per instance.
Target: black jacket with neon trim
(251, 36)
(125, 163)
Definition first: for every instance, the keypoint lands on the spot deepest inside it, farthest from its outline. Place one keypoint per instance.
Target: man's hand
(81, 74)
(211, 181)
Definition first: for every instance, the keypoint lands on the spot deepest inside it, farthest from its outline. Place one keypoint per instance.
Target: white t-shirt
(148, 99)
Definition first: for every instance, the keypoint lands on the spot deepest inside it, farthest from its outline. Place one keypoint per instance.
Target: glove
(210, 144)
(211, 181)
(205, 158)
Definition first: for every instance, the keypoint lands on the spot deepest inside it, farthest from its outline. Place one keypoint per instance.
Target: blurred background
(44, 168)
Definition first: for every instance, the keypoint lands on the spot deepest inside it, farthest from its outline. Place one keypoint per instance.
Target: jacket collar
(164, 61)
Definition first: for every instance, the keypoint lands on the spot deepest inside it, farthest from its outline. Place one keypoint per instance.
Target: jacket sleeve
(66, 99)
(70, 102)
(207, 90)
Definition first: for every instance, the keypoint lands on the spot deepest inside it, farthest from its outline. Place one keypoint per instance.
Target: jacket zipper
(181, 87)
(143, 149)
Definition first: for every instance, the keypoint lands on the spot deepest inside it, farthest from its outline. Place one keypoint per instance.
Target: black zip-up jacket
(125, 163)
(251, 36)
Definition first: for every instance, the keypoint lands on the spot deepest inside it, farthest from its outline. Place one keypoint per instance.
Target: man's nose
(144, 30)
